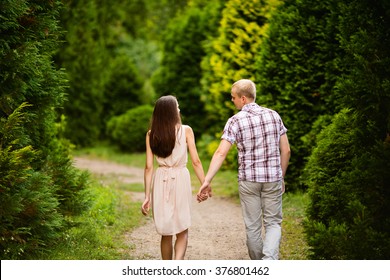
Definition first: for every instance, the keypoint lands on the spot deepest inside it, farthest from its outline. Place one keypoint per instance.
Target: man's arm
(284, 153)
(215, 164)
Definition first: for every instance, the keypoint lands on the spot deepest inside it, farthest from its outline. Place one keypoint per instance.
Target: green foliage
(145, 54)
(91, 227)
(98, 234)
(83, 56)
(366, 85)
(207, 147)
(294, 245)
(114, 20)
(38, 184)
(104, 77)
(28, 213)
(180, 72)
(296, 72)
(71, 183)
(310, 139)
(158, 15)
(329, 160)
(348, 212)
(348, 172)
(128, 130)
(231, 55)
(123, 89)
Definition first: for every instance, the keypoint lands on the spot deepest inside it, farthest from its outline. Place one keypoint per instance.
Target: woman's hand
(204, 192)
(145, 207)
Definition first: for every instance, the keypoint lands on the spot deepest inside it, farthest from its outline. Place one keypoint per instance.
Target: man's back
(256, 131)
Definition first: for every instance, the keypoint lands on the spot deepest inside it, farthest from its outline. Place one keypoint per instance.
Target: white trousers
(262, 206)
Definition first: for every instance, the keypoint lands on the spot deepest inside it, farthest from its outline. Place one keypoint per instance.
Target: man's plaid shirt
(256, 131)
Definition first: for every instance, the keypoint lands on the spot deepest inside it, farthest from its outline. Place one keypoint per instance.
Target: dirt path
(217, 231)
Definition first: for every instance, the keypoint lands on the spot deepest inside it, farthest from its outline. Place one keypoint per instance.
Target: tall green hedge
(39, 187)
(349, 194)
(296, 73)
(97, 55)
(348, 172)
(183, 50)
(83, 56)
(232, 55)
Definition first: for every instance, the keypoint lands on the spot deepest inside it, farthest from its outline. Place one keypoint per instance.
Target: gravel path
(217, 231)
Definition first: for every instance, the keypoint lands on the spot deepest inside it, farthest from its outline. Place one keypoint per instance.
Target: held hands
(204, 192)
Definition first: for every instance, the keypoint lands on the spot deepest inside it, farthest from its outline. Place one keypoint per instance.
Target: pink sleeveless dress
(171, 191)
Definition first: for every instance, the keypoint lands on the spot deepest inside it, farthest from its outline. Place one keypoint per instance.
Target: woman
(168, 189)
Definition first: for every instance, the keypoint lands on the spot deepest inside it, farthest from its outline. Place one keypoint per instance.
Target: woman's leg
(166, 247)
(181, 245)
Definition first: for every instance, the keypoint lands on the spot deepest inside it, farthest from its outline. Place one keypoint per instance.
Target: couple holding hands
(263, 156)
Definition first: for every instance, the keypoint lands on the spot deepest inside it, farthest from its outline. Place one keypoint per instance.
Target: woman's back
(179, 157)
(172, 193)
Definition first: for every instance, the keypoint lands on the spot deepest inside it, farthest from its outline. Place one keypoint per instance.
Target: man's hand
(204, 192)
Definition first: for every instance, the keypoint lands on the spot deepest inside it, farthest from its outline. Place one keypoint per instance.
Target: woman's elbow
(148, 169)
(196, 163)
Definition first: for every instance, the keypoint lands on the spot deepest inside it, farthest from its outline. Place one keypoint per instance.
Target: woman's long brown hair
(163, 126)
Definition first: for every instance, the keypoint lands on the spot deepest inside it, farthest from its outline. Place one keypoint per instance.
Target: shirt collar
(250, 106)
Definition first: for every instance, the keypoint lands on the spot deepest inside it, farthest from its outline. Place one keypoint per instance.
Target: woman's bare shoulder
(187, 128)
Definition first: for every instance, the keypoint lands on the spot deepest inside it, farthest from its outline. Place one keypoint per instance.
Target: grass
(109, 153)
(99, 233)
(293, 244)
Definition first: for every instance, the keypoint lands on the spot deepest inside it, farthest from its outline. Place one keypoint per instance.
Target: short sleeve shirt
(256, 131)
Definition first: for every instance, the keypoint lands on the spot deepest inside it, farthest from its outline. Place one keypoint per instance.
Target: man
(263, 156)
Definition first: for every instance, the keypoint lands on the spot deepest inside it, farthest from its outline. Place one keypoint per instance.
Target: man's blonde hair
(245, 87)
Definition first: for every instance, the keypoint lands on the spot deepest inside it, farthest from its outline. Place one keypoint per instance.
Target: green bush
(128, 130)
(296, 73)
(123, 89)
(348, 172)
(231, 55)
(83, 55)
(348, 187)
(29, 216)
(72, 183)
(39, 187)
(180, 72)
(207, 145)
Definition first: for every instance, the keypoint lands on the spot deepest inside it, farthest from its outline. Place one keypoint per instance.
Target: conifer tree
(103, 80)
(183, 49)
(83, 56)
(348, 172)
(231, 55)
(296, 73)
(158, 15)
(38, 185)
